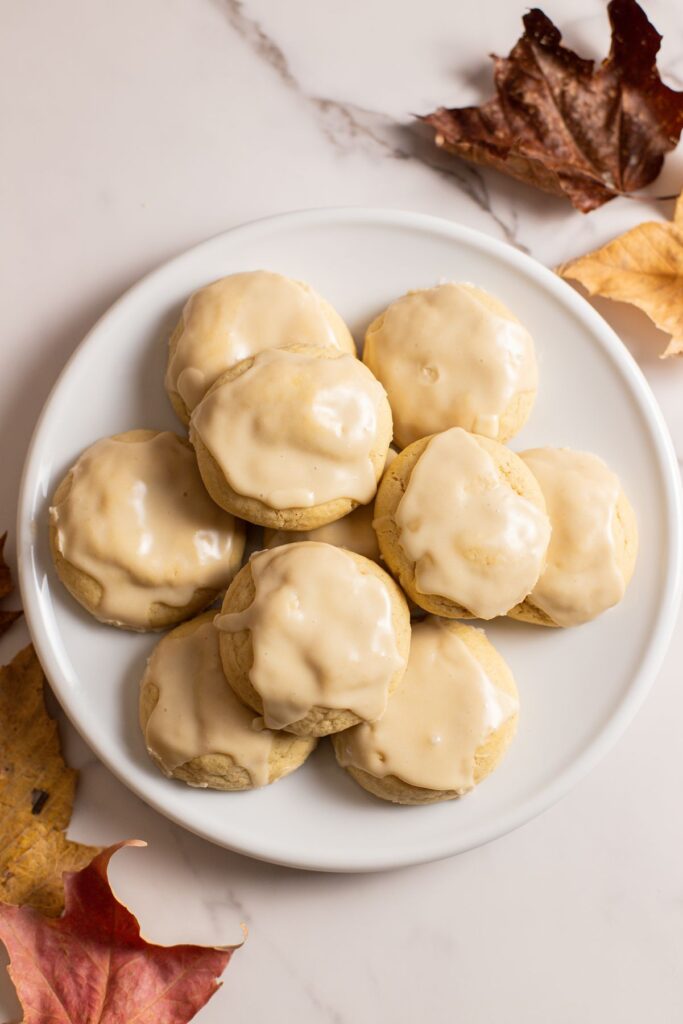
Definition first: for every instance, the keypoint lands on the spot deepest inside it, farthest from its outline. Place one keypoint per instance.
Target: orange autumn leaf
(92, 966)
(644, 267)
(36, 793)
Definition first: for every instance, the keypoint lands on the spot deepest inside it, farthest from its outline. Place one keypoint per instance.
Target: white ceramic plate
(579, 688)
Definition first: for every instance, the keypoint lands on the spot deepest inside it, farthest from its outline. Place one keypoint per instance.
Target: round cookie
(483, 562)
(85, 535)
(282, 440)
(196, 729)
(594, 542)
(236, 317)
(447, 725)
(328, 623)
(453, 356)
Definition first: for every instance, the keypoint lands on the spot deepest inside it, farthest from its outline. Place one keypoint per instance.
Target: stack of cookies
(383, 507)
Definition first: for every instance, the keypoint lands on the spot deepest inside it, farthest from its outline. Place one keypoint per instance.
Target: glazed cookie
(135, 537)
(293, 438)
(594, 542)
(461, 522)
(353, 532)
(236, 317)
(195, 727)
(447, 724)
(453, 356)
(314, 637)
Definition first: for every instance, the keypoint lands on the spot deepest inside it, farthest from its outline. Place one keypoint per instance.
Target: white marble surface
(132, 130)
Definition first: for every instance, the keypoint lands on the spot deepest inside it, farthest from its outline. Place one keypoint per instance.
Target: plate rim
(670, 596)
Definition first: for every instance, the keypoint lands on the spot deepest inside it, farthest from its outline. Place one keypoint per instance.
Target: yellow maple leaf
(36, 793)
(644, 266)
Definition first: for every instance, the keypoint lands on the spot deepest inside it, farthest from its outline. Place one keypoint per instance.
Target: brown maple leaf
(6, 587)
(92, 966)
(644, 266)
(36, 793)
(565, 127)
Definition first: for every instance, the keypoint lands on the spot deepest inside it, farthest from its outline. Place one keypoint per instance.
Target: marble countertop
(132, 130)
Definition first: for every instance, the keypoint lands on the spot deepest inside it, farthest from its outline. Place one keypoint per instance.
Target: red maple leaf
(92, 966)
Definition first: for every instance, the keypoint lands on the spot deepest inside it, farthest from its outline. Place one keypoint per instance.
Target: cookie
(293, 438)
(594, 542)
(353, 532)
(236, 317)
(447, 724)
(134, 536)
(195, 727)
(453, 356)
(314, 637)
(461, 523)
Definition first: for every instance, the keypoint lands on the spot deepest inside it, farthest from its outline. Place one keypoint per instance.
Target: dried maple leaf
(644, 266)
(565, 127)
(6, 587)
(36, 793)
(92, 966)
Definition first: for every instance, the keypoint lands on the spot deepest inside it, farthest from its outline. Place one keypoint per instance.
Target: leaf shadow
(9, 1001)
(476, 77)
(644, 341)
(485, 185)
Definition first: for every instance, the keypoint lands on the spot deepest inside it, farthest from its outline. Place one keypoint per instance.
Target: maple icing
(138, 520)
(582, 577)
(239, 315)
(448, 359)
(472, 538)
(295, 430)
(197, 712)
(442, 711)
(322, 633)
